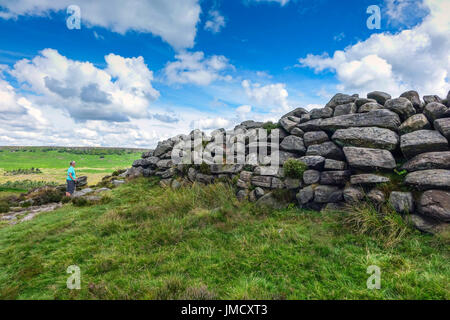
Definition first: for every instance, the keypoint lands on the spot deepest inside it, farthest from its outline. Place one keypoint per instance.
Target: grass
(200, 242)
(54, 161)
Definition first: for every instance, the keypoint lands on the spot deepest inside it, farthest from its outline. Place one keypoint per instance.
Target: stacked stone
(350, 146)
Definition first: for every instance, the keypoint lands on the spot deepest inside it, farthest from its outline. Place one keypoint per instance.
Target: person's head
(72, 163)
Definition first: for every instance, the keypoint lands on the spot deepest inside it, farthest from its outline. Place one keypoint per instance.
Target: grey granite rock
(429, 179)
(422, 141)
(369, 159)
(427, 161)
(370, 137)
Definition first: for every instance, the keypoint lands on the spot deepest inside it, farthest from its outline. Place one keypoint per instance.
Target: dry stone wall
(379, 148)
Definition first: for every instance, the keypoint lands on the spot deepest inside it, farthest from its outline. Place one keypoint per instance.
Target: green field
(145, 242)
(94, 163)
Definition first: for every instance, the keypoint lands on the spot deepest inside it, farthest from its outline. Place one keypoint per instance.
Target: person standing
(71, 179)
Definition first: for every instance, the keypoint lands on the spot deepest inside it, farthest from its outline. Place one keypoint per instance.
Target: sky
(141, 71)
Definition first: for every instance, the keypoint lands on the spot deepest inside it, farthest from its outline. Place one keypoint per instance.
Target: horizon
(134, 77)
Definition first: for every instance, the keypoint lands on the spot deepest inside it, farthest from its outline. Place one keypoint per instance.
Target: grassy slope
(150, 243)
(54, 164)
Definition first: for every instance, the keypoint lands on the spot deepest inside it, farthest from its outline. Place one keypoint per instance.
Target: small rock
(311, 177)
(368, 179)
(331, 164)
(313, 162)
(377, 197)
(315, 137)
(327, 194)
(443, 125)
(327, 150)
(414, 123)
(334, 177)
(402, 202)
(321, 113)
(401, 106)
(293, 144)
(353, 195)
(371, 106)
(345, 109)
(414, 98)
(262, 181)
(305, 195)
(434, 111)
(380, 97)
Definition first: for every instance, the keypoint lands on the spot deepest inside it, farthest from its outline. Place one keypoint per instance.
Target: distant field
(54, 161)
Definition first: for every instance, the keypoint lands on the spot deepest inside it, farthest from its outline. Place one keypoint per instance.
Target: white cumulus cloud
(120, 91)
(194, 68)
(416, 58)
(273, 95)
(215, 21)
(174, 21)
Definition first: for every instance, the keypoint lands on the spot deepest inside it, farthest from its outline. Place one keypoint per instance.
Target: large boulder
(315, 137)
(422, 141)
(443, 126)
(414, 97)
(380, 97)
(401, 106)
(327, 194)
(369, 159)
(427, 161)
(370, 137)
(434, 111)
(435, 204)
(293, 144)
(402, 202)
(379, 118)
(327, 150)
(429, 179)
(414, 123)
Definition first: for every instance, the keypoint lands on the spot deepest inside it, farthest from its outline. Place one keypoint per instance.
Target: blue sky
(148, 70)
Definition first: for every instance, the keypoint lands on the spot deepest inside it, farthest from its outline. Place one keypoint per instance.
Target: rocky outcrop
(387, 150)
